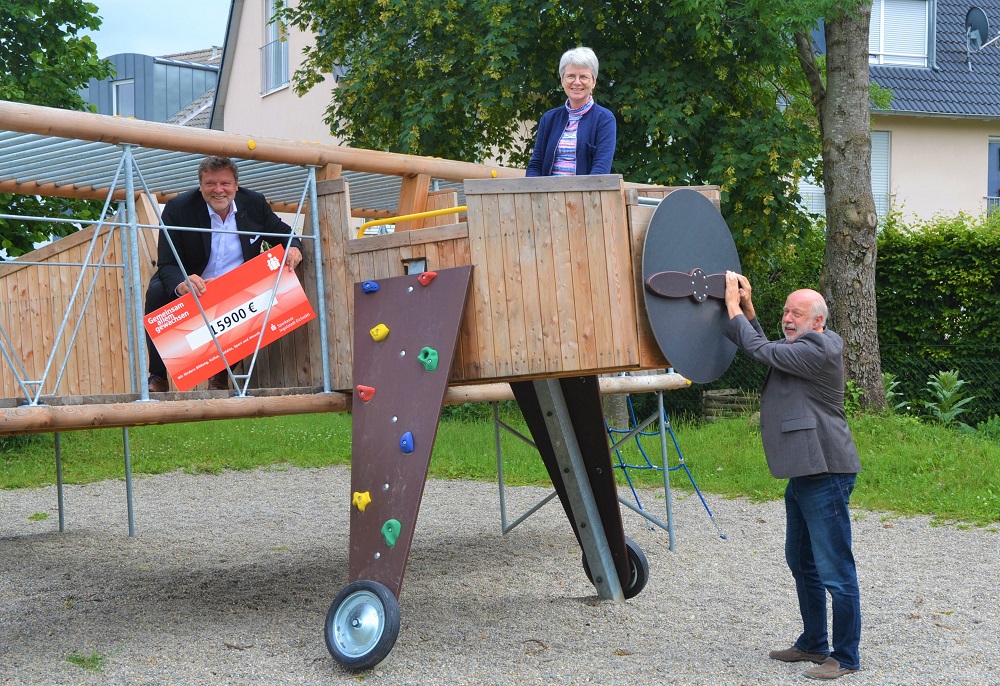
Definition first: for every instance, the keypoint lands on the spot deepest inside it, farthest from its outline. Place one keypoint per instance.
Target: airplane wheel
(362, 625)
(638, 565)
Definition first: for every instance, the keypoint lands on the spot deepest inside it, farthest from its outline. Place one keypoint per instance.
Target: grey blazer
(802, 420)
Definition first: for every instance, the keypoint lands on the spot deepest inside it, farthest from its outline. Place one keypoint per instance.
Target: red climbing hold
(426, 278)
(366, 392)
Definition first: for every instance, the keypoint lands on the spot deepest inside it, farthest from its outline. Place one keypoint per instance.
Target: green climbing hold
(429, 358)
(390, 530)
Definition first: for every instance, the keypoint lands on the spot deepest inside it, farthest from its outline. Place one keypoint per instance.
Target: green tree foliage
(43, 61)
(706, 91)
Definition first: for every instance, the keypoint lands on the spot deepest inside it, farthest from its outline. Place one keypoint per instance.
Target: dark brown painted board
(407, 398)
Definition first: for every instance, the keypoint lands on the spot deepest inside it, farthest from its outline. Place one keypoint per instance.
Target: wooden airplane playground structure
(544, 284)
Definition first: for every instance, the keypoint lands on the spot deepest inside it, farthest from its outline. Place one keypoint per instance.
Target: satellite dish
(977, 28)
(977, 31)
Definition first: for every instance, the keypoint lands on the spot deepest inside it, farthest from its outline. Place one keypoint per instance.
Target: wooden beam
(413, 199)
(126, 412)
(49, 121)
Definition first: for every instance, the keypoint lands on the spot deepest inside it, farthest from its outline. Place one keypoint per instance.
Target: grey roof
(28, 157)
(949, 88)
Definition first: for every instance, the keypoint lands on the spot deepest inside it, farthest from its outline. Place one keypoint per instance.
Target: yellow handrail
(409, 217)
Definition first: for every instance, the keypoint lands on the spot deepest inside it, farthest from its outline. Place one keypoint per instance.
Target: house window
(274, 53)
(123, 98)
(814, 197)
(899, 32)
(880, 172)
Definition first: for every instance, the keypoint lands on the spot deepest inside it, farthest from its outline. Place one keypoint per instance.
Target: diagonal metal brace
(579, 494)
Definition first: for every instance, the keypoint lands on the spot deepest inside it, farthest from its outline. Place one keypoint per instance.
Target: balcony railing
(273, 66)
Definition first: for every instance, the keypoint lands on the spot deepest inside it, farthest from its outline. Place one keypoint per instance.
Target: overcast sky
(160, 27)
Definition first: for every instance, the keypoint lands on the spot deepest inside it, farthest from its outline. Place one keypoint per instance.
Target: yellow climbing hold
(494, 173)
(379, 332)
(251, 144)
(361, 500)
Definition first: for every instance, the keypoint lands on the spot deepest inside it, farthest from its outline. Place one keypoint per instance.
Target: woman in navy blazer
(579, 137)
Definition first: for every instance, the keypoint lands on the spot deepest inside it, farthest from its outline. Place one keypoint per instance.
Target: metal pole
(666, 469)
(128, 280)
(320, 289)
(133, 231)
(128, 484)
(59, 484)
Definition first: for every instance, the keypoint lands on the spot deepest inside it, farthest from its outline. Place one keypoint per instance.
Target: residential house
(174, 89)
(937, 147)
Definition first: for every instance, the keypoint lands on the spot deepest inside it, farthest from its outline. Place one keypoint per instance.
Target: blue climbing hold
(369, 286)
(406, 442)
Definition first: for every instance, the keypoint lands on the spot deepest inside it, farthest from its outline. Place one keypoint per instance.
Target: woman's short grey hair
(578, 57)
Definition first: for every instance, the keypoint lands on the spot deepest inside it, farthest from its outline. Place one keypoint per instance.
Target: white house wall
(280, 113)
(937, 164)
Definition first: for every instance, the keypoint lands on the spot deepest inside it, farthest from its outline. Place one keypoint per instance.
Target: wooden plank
(562, 259)
(439, 200)
(534, 349)
(604, 324)
(496, 285)
(543, 184)
(392, 240)
(650, 356)
(514, 312)
(339, 279)
(582, 284)
(478, 309)
(621, 286)
(548, 306)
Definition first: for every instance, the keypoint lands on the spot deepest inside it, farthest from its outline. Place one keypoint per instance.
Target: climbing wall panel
(405, 335)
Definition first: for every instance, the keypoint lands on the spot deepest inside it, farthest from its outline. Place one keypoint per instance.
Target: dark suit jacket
(595, 141)
(802, 420)
(194, 247)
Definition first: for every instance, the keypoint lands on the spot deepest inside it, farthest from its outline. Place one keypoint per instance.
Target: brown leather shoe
(157, 384)
(829, 669)
(793, 654)
(219, 382)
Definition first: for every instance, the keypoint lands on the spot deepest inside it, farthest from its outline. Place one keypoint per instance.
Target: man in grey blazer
(807, 441)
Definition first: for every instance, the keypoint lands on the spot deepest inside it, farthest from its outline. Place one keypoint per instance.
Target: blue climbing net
(634, 432)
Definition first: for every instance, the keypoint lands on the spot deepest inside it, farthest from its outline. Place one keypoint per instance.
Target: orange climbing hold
(426, 278)
(366, 393)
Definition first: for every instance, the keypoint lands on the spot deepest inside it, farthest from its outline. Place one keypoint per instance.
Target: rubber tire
(637, 563)
(367, 644)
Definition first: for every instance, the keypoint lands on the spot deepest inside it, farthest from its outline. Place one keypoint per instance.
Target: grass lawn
(910, 468)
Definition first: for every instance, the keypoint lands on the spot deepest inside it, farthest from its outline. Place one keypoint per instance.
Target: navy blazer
(595, 141)
(802, 420)
(253, 213)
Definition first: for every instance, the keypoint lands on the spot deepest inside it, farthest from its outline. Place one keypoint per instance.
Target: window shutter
(880, 171)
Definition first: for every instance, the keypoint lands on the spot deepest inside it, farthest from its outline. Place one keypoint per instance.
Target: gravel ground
(229, 579)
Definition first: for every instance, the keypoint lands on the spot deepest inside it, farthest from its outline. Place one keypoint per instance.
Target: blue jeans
(818, 551)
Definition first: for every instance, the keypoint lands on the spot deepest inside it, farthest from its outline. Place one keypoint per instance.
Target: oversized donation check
(236, 305)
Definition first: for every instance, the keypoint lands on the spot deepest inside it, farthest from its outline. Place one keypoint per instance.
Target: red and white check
(235, 305)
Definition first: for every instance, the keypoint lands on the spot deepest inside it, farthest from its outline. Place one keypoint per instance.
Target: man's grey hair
(820, 309)
(578, 57)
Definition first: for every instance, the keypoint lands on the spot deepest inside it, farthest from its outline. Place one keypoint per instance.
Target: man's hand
(197, 282)
(293, 258)
(733, 294)
(746, 302)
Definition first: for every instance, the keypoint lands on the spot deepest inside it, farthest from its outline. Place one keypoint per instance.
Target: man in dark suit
(807, 441)
(221, 205)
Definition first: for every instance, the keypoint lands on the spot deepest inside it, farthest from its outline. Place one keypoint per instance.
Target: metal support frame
(663, 430)
(131, 268)
(581, 501)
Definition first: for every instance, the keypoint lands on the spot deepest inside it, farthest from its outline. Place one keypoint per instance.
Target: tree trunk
(848, 278)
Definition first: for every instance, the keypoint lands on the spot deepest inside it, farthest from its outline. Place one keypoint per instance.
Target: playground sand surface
(230, 577)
